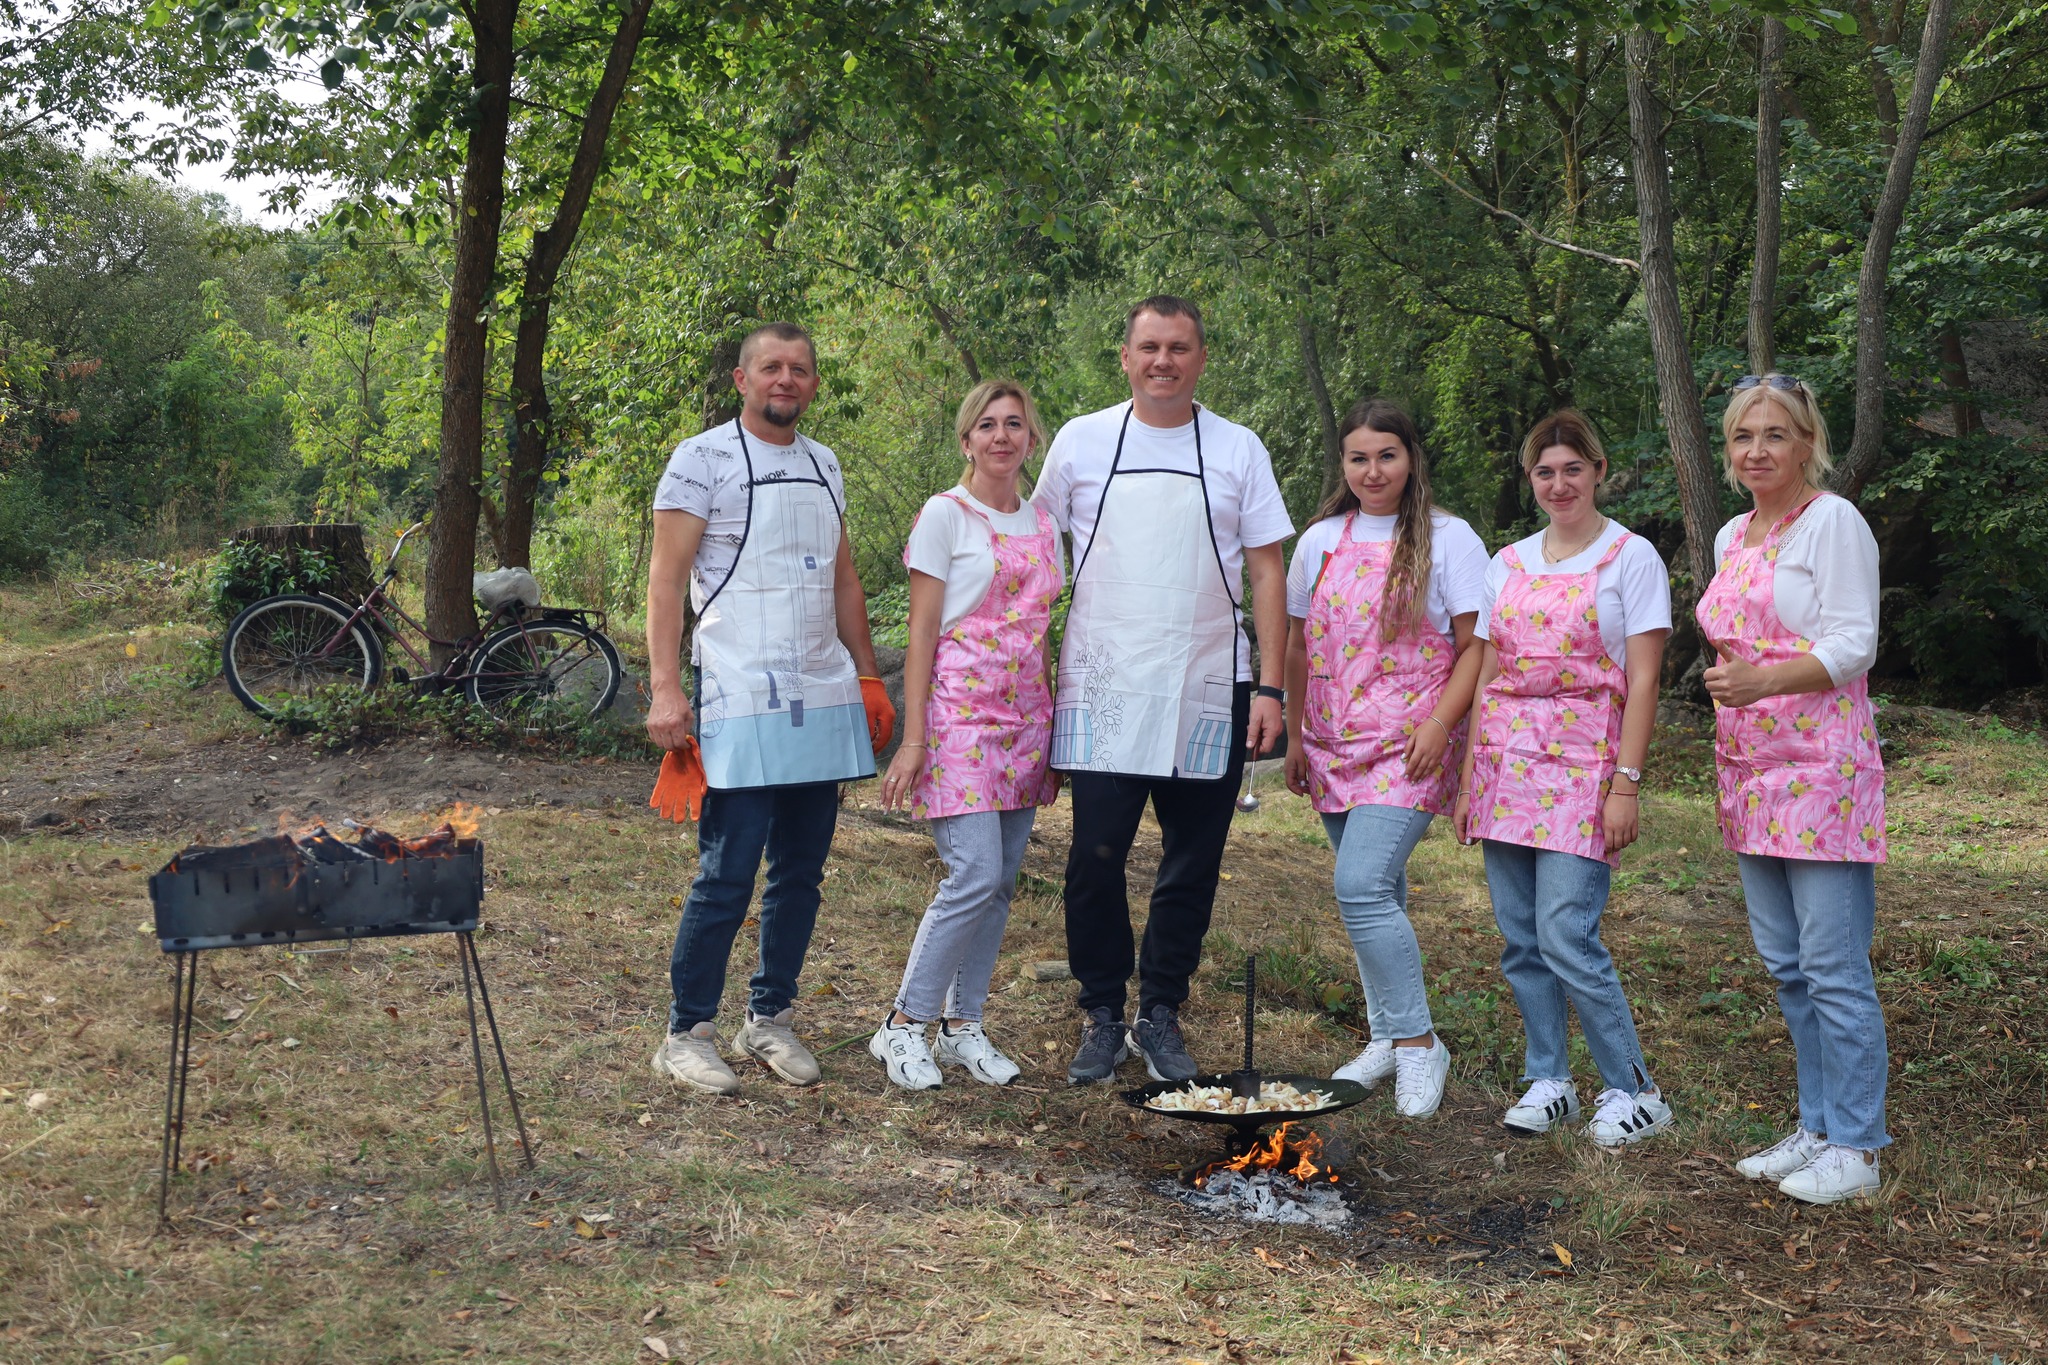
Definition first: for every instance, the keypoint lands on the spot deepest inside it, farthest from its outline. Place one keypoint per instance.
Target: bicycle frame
(380, 607)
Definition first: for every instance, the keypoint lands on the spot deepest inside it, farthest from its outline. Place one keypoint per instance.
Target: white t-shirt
(1457, 562)
(952, 545)
(1245, 508)
(707, 477)
(1824, 584)
(1635, 590)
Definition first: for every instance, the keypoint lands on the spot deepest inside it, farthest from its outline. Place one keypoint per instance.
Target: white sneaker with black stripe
(1545, 1105)
(1623, 1118)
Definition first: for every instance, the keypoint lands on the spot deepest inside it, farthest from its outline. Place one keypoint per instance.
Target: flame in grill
(1283, 1151)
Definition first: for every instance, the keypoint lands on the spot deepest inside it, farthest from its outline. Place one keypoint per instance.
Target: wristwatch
(1634, 775)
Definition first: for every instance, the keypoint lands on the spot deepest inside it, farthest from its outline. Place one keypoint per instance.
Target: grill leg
(483, 1095)
(184, 985)
(498, 1042)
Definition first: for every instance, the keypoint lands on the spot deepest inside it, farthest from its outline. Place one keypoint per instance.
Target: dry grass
(334, 1206)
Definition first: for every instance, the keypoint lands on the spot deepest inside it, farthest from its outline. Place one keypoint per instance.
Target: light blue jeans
(1373, 844)
(1548, 906)
(954, 953)
(1812, 923)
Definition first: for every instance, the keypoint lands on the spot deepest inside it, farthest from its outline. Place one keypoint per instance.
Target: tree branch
(1525, 225)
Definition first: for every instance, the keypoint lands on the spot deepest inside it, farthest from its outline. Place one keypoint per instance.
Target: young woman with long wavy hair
(1383, 597)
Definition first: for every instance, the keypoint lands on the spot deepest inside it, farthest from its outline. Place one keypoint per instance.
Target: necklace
(1579, 548)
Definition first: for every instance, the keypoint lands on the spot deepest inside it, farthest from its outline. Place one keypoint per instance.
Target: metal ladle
(1246, 800)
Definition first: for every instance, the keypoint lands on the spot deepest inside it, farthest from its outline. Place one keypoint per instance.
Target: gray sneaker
(770, 1040)
(1104, 1043)
(1166, 1053)
(692, 1059)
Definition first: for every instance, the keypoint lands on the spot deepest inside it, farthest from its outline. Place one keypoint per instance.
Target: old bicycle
(529, 667)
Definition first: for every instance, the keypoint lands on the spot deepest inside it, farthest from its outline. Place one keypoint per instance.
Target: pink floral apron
(1550, 721)
(1800, 775)
(1366, 695)
(988, 722)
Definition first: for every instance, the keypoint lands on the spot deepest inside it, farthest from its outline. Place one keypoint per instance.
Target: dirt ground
(333, 1203)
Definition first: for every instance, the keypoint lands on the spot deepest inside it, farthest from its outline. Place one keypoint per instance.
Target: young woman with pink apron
(1567, 699)
(977, 732)
(1792, 617)
(1383, 594)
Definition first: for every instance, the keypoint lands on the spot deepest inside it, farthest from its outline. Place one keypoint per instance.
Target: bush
(247, 572)
(30, 534)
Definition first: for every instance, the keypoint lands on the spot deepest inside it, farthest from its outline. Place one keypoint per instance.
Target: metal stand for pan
(1247, 1080)
(275, 892)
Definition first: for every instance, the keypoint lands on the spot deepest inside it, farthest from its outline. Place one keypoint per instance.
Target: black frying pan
(1343, 1094)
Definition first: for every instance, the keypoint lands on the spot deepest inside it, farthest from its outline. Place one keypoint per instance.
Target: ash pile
(1285, 1178)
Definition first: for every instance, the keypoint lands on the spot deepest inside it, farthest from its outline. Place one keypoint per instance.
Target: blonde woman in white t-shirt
(977, 689)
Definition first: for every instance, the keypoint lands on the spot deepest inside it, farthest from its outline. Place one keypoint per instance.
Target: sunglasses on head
(1775, 381)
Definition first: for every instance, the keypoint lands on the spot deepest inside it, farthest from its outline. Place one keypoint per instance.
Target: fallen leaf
(587, 1230)
(292, 1043)
(541, 1223)
(645, 1120)
(391, 1010)
(1564, 1257)
(656, 1345)
(38, 1101)
(1961, 1336)
(651, 1314)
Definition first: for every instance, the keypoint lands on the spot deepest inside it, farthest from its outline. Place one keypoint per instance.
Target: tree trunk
(451, 555)
(1770, 188)
(1319, 390)
(533, 424)
(1872, 284)
(1955, 377)
(1678, 395)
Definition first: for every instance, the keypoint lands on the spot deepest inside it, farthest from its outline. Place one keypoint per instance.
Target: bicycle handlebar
(391, 564)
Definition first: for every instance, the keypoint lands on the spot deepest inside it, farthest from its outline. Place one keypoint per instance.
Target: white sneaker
(1544, 1105)
(901, 1048)
(692, 1059)
(1782, 1157)
(1623, 1118)
(1419, 1074)
(1369, 1067)
(968, 1047)
(1834, 1174)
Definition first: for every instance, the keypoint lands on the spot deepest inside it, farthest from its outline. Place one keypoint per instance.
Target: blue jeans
(1548, 906)
(794, 826)
(1812, 923)
(1373, 844)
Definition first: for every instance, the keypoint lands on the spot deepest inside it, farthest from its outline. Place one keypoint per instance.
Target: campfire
(1299, 1156)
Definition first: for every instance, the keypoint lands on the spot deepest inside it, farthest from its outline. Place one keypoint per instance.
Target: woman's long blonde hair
(1801, 404)
(1406, 593)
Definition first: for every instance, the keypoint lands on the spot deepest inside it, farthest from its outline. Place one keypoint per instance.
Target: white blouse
(1824, 584)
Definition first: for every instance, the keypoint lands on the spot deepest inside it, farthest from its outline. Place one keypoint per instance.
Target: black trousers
(1194, 820)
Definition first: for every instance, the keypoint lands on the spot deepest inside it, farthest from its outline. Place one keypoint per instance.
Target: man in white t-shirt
(1168, 506)
(787, 706)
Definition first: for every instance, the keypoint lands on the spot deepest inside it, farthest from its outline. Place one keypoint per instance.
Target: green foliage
(30, 533)
(245, 572)
(343, 717)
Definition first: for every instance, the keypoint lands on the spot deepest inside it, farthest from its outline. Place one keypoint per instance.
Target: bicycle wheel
(286, 647)
(544, 674)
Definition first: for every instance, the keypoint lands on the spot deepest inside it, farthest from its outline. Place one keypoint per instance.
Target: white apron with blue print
(778, 699)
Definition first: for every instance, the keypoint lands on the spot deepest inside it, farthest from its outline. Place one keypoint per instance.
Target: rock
(1047, 971)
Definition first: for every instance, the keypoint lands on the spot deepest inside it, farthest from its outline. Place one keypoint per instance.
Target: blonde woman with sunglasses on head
(1792, 615)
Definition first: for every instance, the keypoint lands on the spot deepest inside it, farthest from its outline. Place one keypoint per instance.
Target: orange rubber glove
(679, 791)
(881, 712)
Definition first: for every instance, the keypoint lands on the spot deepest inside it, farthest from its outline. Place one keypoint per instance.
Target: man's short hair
(776, 331)
(1167, 306)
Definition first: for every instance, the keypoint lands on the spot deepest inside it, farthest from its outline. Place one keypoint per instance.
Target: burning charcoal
(323, 847)
(436, 844)
(377, 844)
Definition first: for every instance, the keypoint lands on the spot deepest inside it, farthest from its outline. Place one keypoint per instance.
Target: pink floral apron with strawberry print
(1799, 775)
(1366, 695)
(1550, 721)
(988, 722)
